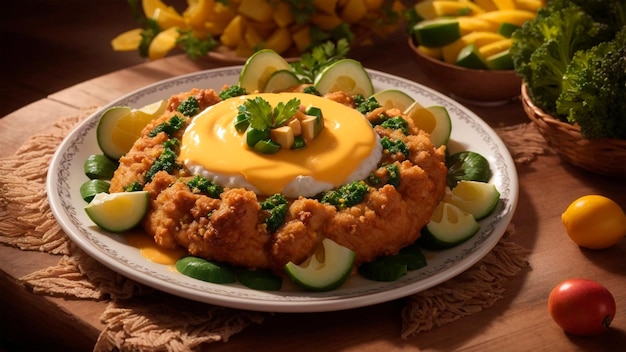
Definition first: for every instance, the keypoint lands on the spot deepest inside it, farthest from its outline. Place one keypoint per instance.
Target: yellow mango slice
(504, 4)
(324, 21)
(167, 19)
(354, 11)
(486, 5)
(493, 48)
(516, 17)
(282, 14)
(258, 10)
(451, 51)
(328, 6)
(474, 24)
(430, 9)
(279, 41)
(127, 41)
(233, 32)
(530, 5)
(302, 38)
(163, 43)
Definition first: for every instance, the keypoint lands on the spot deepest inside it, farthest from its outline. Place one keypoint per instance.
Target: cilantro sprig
(313, 62)
(260, 115)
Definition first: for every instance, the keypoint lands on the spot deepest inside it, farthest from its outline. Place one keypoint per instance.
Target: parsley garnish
(195, 47)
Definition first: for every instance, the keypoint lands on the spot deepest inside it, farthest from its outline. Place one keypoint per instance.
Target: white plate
(468, 133)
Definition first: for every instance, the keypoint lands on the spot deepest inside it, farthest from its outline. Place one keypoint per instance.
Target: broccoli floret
(204, 185)
(594, 90)
(544, 46)
(276, 206)
(189, 107)
(232, 91)
(346, 196)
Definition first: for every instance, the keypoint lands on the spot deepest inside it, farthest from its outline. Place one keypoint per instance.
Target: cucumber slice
(259, 68)
(506, 29)
(89, 189)
(259, 279)
(434, 119)
(469, 57)
(323, 271)
(500, 61)
(119, 127)
(476, 198)
(448, 227)
(437, 32)
(394, 98)
(118, 212)
(469, 166)
(98, 166)
(281, 80)
(346, 75)
(202, 269)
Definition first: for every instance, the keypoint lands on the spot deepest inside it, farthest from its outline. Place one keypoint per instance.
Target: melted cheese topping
(346, 150)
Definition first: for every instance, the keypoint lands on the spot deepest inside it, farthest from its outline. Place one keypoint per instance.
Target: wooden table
(520, 321)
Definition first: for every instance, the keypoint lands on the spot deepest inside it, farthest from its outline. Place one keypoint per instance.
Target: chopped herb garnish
(189, 107)
(232, 91)
(346, 196)
(276, 206)
(170, 127)
(166, 161)
(394, 146)
(133, 187)
(365, 105)
(206, 186)
(396, 123)
(320, 56)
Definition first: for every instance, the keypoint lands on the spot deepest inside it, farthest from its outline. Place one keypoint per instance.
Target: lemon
(127, 41)
(476, 198)
(259, 68)
(118, 212)
(345, 75)
(281, 80)
(434, 119)
(119, 127)
(323, 271)
(448, 227)
(394, 98)
(594, 222)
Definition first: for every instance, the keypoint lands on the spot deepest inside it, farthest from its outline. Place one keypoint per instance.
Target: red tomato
(581, 307)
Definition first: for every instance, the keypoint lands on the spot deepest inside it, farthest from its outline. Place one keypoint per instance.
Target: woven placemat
(140, 318)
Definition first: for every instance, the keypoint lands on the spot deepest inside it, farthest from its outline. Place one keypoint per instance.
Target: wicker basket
(602, 156)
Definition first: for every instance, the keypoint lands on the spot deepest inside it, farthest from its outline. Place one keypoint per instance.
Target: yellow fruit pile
(473, 34)
(245, 26)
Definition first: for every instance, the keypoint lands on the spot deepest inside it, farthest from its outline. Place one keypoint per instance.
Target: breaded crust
(231, 228)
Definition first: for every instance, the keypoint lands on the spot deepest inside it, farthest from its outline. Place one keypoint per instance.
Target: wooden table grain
(518, 322)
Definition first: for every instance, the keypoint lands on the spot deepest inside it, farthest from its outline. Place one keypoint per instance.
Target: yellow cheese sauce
(346, 141)
(153, 252)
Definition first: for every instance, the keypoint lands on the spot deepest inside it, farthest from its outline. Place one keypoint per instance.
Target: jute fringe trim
(26, 222)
